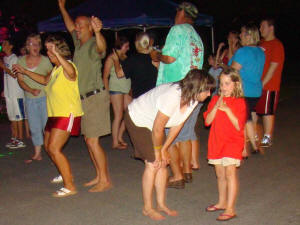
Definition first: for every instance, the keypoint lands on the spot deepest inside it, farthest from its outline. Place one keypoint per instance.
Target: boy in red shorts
(271, 78)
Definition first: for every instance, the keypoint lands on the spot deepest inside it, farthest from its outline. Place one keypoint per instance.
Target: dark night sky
(228, 14)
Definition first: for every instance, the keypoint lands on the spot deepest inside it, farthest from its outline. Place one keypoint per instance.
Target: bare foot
(123, 143)
(33, 158)
(168, 211)
(119, 147)
(99, 187)
(153, 214)
(91, 183)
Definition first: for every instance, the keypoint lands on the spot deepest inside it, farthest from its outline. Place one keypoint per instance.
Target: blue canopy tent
(123, 14)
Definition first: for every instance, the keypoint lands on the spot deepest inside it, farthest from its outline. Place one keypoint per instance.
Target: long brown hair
(195, 82)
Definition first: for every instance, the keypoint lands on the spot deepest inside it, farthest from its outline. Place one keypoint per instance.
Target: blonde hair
(61, 45)
(142, 42)
(236, 79)
(33, 36)
(253, 32)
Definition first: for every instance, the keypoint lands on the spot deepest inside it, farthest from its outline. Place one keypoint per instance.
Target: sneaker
(266, 142)
(11, 143)
(57, 179)
(17, 144)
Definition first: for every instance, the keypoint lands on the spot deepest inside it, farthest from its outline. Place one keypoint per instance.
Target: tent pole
(212, 40)
(116, 35)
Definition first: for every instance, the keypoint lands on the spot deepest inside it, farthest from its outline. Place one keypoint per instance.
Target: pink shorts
(267, 103)
(70, 124)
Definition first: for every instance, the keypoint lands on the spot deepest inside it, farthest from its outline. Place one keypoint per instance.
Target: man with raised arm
(90, 48)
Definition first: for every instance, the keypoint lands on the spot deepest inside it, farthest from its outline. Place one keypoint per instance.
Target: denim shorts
(37, 118)
(187, 133)
(117, 93)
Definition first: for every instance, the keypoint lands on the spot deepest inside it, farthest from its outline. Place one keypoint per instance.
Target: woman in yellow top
(63, 106)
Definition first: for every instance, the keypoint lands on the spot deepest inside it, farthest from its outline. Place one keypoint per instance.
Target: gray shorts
(96, 119)
(187, 132)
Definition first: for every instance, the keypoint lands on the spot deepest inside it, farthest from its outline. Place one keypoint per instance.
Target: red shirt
(224, 139)
(274, 52)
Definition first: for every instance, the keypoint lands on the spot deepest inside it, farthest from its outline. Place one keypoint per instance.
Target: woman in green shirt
(118, 89)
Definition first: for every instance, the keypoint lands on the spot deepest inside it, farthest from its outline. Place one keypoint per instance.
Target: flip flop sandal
(227, 217)
(178, 184)
(212, 208)
(63, 192)
(57, 179)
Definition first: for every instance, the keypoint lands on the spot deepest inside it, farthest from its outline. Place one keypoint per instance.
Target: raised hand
(221, 45)
(52, 47)
(61, 3)
(223, 106)
(96, 24)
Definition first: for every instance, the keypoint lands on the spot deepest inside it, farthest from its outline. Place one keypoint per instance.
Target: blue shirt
(185, 45)
(252, 60)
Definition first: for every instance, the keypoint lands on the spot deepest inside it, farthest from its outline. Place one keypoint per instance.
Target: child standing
(14, 96)
(226, 113)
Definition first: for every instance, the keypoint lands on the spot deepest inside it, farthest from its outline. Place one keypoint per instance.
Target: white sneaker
(11, 143)
(17, 144)
(266, 142)
(57, 180)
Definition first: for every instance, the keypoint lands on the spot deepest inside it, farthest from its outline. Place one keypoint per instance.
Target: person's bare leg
(268, 122)
(175, 163)
(251, 134)
(195, 154)
(148, 180)
(160, 187)
(57, 140)
(117, 104)
(127, 99)
(232, 189)
(185, 153)
(27, 130)
(97, 178)
(20, 135)
(222, 186)
(254, 120)
(14, 131)
(100, 161)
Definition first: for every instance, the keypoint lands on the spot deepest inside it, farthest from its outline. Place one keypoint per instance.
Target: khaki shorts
(96, 119)
(226, 161)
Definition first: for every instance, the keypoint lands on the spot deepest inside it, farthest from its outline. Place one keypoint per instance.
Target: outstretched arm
(100, 40)
(25, 87)
(34, 76)
(67, 19)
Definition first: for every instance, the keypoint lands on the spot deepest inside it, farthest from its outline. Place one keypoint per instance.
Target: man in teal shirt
(183, 49)
(182, 52)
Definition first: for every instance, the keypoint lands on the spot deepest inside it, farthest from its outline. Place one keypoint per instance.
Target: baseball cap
(189, 8)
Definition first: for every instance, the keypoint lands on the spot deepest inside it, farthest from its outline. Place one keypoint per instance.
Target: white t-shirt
(11, 85)
(164, 98)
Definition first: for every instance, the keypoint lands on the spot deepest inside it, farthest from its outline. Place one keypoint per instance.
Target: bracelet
(157, 147)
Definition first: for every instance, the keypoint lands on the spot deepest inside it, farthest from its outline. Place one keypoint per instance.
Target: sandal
(178, 184)
(188, 177)
(212, 208)
(63, 192)
(57, 179)
(227, 217)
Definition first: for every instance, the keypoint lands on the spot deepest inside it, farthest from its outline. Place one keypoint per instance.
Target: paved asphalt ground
(269, 184)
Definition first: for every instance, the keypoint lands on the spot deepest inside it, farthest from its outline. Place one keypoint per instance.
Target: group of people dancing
(155, 95)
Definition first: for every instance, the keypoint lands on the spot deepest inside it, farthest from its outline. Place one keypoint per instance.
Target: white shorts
(15, 108)
(226, 161)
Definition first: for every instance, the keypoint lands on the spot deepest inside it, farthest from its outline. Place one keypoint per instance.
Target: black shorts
(251, 104)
